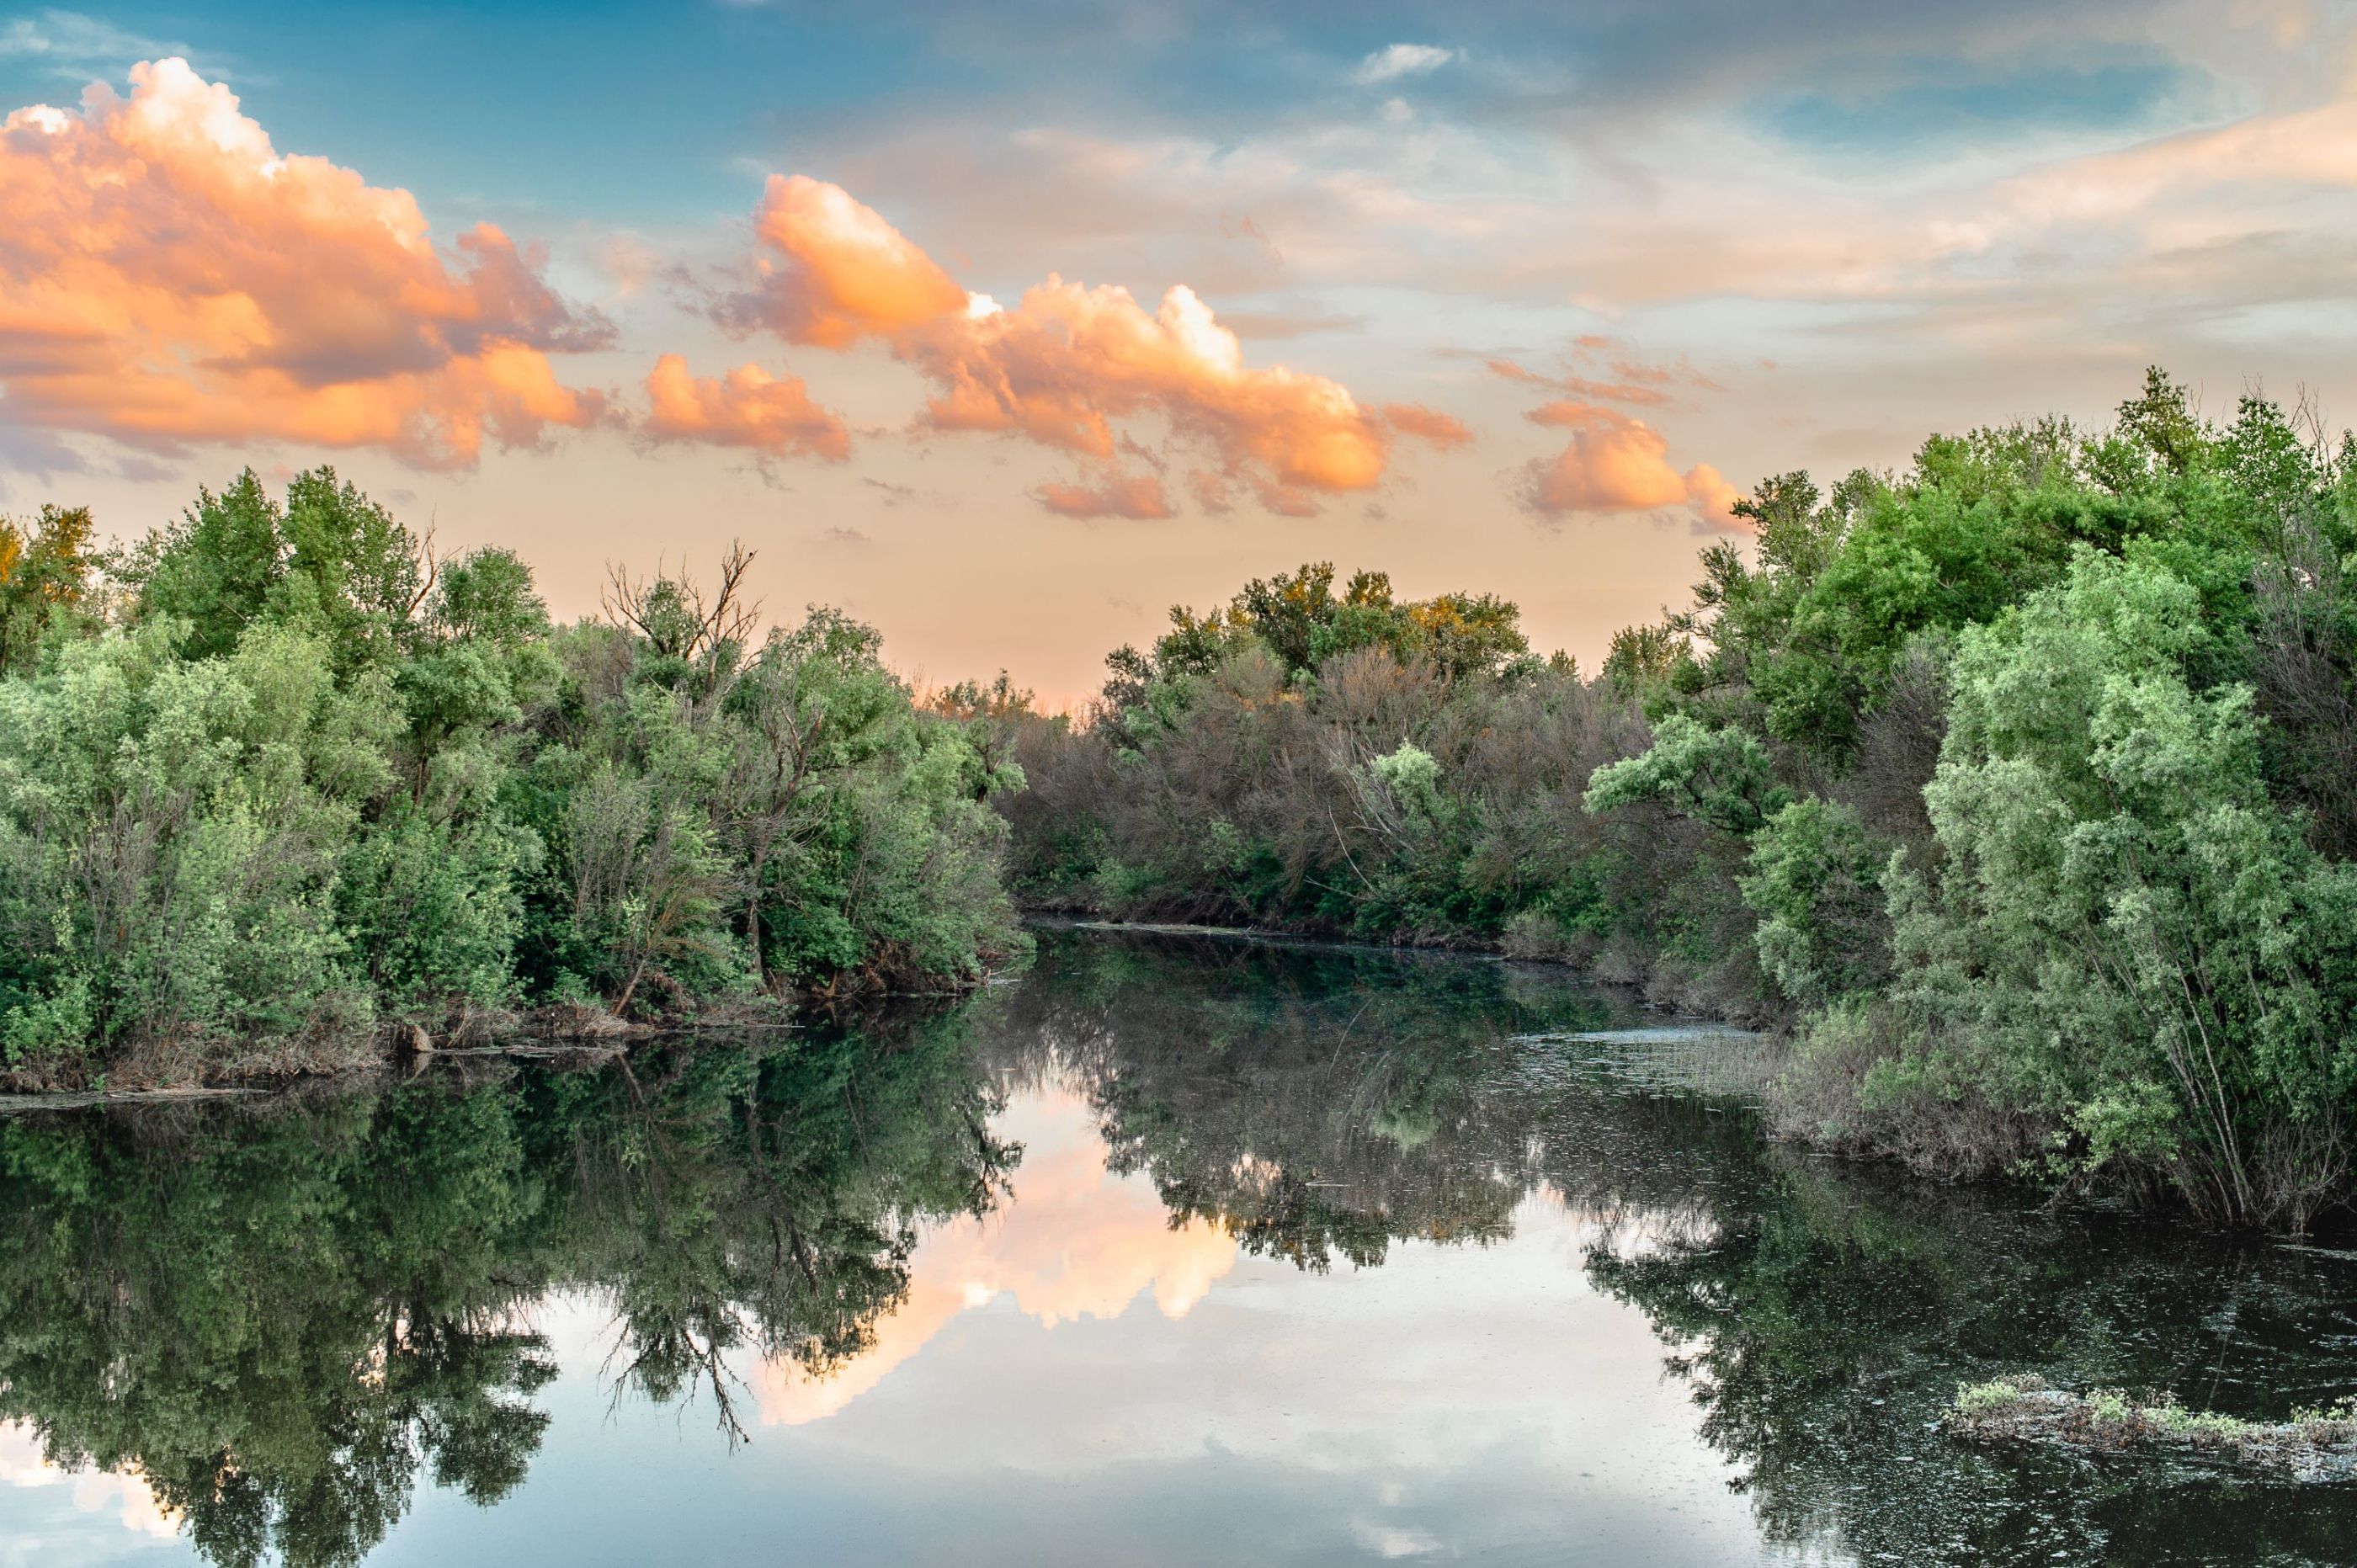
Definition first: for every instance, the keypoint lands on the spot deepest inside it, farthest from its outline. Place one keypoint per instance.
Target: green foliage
(1722, 777)
(46, 571)
(2021, 785)
(305, 775)
(1814, 879)
(2127, 930)
(214, 569)
(1393, 791)
(171, 833)
(1297, 620)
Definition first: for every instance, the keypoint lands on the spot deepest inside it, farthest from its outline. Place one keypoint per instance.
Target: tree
(2126, 931)
(46, 572)
(215, 568)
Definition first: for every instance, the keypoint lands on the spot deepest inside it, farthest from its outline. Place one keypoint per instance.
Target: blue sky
(1705, 241)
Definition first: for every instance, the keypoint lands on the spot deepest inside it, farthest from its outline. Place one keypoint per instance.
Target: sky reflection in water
(1304, 1257)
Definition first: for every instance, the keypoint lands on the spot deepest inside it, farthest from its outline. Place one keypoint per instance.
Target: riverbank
(206, 1065)
(1810, 1084)
(1655, 987)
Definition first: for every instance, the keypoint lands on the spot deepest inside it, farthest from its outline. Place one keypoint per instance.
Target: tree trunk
(753, 922)
(623, 1001)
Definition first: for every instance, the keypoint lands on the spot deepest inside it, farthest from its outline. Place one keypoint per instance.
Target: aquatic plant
(2313, 1444)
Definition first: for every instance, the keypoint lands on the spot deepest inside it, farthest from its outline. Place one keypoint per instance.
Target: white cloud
(1399, 60)
(70, 41)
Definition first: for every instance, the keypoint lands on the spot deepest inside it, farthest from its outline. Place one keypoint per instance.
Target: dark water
(1172, 1251)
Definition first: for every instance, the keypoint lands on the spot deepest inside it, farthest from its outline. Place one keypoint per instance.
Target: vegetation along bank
(2016, 789)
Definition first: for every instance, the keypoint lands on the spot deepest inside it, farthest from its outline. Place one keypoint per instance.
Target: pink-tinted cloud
(1212, 490)
(1714, 499)
(1633, 383)
(1065, 365)
(748, 407)
(1617, 462)
(1136, 496)
(2314, 148)
(1443, 430)
(167, 276)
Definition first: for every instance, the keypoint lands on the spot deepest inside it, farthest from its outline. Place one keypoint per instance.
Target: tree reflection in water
(1326, 1103)
(280, 1316)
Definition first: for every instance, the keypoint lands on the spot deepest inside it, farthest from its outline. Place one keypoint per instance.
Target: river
(1172, 1249)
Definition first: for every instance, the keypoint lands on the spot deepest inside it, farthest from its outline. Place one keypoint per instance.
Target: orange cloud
(1617, 462)
(1640, 392)
(1714, 499)
(843, 272)
(1641, 384)
(748, 407)
(1138, 496)
(1443, 430)
(167, 275)
(1212, 490)
(1061, 367)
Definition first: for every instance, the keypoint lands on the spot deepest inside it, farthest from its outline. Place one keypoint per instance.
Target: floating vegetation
(2315, 1444)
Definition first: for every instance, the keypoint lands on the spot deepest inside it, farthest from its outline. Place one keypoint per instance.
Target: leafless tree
(679, 621)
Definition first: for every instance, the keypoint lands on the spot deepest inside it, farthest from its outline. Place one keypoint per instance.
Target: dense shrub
(276, 773)
(2020, 786)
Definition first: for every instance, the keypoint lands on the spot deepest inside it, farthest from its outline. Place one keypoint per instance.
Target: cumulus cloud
(1714, 499)
(748, 407)
(841, 272)
(1063, 367)
(1615, 462)
(1618, 463)
(167, 276)
(1136, 496)
(1401, 60)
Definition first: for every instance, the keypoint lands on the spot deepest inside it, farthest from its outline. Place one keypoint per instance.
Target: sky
(1075, 1362)
(1006, 328)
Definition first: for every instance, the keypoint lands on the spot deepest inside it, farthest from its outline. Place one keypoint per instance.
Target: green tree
(47, 572)
(2126, 931)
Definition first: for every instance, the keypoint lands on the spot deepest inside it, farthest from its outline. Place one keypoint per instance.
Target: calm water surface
(1175, 1250)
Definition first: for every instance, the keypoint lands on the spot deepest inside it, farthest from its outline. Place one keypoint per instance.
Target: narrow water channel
(1174, 1250)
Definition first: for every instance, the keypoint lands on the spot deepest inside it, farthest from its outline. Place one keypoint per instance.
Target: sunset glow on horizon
(1006, 334)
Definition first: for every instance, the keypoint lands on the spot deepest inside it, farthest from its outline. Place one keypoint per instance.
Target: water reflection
(1081, 1241)
(1211, 1233)
(281, 1318)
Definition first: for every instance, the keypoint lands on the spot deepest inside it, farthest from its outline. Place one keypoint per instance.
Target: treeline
(277, 775)
(2019, 786)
